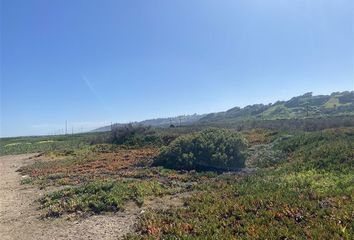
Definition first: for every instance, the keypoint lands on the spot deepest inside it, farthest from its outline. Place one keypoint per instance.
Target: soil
(21, 218)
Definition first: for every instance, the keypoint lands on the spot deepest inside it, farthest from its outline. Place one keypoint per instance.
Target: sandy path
(20, 217)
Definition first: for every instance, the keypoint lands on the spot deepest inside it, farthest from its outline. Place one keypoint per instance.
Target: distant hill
(159, 122)
(305, 106)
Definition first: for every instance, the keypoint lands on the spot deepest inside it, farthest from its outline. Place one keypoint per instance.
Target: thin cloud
(91, 88)
(94, 93)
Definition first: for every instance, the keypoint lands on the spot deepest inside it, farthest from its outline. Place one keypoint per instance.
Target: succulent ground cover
(300, 187)
(308, 196)
(79, 166)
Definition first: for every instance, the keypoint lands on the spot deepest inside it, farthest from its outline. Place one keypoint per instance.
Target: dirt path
(20, 217)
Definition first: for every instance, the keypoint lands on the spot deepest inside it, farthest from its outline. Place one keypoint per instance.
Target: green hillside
(305, 106)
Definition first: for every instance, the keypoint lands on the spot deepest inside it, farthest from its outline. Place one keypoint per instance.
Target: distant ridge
(159, 122)
(304, 106)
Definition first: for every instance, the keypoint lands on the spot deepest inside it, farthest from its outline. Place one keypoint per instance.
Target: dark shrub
(210, 149)
(103, 148)
(166, 139)
(133, 135)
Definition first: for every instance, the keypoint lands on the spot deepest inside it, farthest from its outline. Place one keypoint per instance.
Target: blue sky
(91, 62)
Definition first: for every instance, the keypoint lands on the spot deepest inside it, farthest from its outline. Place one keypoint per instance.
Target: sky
(92, 62)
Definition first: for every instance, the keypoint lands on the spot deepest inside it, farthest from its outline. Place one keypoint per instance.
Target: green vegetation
(303, 189)
(133, 135)
(325, 150)
(301, 107)
(210, 149)
(256, 207)
(298, 113)
(99, 196)
(278, 112)
(128, 136)
(298, 183)
(159, 122)
(19, 145)
(84, 165)
(308, 196)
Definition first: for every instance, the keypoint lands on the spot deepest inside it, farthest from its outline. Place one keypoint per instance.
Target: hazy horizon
(92, 63)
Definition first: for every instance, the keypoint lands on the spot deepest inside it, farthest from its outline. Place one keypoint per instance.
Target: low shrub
(133, 135)
(210, 149)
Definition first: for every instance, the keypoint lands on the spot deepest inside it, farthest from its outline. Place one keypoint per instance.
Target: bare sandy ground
(20, 217)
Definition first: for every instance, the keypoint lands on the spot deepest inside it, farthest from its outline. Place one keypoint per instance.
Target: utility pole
(66, 127)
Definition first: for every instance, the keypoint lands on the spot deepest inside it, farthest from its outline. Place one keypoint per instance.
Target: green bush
(133, 135)
(210, 149)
